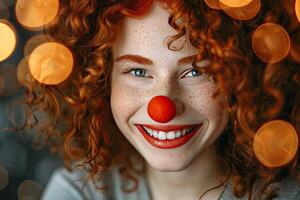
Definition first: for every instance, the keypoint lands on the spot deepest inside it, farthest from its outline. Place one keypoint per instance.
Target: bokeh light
(241, 10)
(4, 179)
(270, 42)
(30, 188)
(8, 39)
(4, 12)
(297, 9)
(33, 42)
(214, 4)
(35, 14)
(235, 3)
(51, 63)
(275, 143)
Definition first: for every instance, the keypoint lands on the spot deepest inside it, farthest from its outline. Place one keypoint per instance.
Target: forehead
(148, 33)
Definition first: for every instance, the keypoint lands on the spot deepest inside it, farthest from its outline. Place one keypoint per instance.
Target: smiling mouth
(166, 137)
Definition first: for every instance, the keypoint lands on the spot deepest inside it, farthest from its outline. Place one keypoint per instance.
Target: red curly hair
(82, 126)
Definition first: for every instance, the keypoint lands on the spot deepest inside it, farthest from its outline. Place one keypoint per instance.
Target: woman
(192, 62)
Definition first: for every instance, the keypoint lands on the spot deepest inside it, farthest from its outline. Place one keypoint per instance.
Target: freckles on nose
(167, 86)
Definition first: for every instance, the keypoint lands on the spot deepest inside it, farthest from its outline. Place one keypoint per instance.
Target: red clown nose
(161, 109)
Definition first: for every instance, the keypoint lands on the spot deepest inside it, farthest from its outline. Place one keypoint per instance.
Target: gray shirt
(69, 186)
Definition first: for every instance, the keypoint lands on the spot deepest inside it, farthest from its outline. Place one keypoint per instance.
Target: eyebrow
(146, 61)
(135, 58)
(187, 59)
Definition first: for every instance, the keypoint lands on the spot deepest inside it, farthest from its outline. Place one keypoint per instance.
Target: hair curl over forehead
(255, 92)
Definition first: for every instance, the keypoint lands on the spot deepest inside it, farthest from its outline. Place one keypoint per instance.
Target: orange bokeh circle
(214, 4)
(271, 42)
(235, 3)
(8, 39)
(241, 11)
(297, 9)
(51, 63)
(275, 143)
(35, 14)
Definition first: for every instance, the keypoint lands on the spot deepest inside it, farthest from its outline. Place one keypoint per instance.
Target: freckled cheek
(125, 101)
(201, 100)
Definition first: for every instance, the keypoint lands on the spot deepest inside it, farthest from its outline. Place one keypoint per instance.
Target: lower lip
(168, 144)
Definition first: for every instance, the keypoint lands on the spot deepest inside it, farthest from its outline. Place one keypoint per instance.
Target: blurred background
(24, 169)
(27, 54)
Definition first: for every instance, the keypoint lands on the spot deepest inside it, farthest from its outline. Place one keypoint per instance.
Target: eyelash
(134, 69)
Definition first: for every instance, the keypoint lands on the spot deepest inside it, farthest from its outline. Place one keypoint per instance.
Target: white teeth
(154, 133)
(171, 135)
(162, 135)
(149, 131)
(178, 134)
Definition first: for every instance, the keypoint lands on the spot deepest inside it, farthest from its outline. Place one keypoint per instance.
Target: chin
(167, 164)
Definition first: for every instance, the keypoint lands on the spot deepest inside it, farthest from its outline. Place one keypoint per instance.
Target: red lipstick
(168, 144)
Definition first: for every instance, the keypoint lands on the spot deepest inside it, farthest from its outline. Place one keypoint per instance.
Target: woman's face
(162, 72)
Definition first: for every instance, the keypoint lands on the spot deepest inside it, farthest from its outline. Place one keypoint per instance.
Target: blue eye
(193, 73)
(137, 72)
(141, 73)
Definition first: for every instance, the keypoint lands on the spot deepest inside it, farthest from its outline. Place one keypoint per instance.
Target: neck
(190, 183)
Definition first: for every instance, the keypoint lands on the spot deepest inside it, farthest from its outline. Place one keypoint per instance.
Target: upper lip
(167, 128)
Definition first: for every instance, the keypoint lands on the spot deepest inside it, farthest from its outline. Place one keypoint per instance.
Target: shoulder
(289, 189)
(286, 189)
(72, 185)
